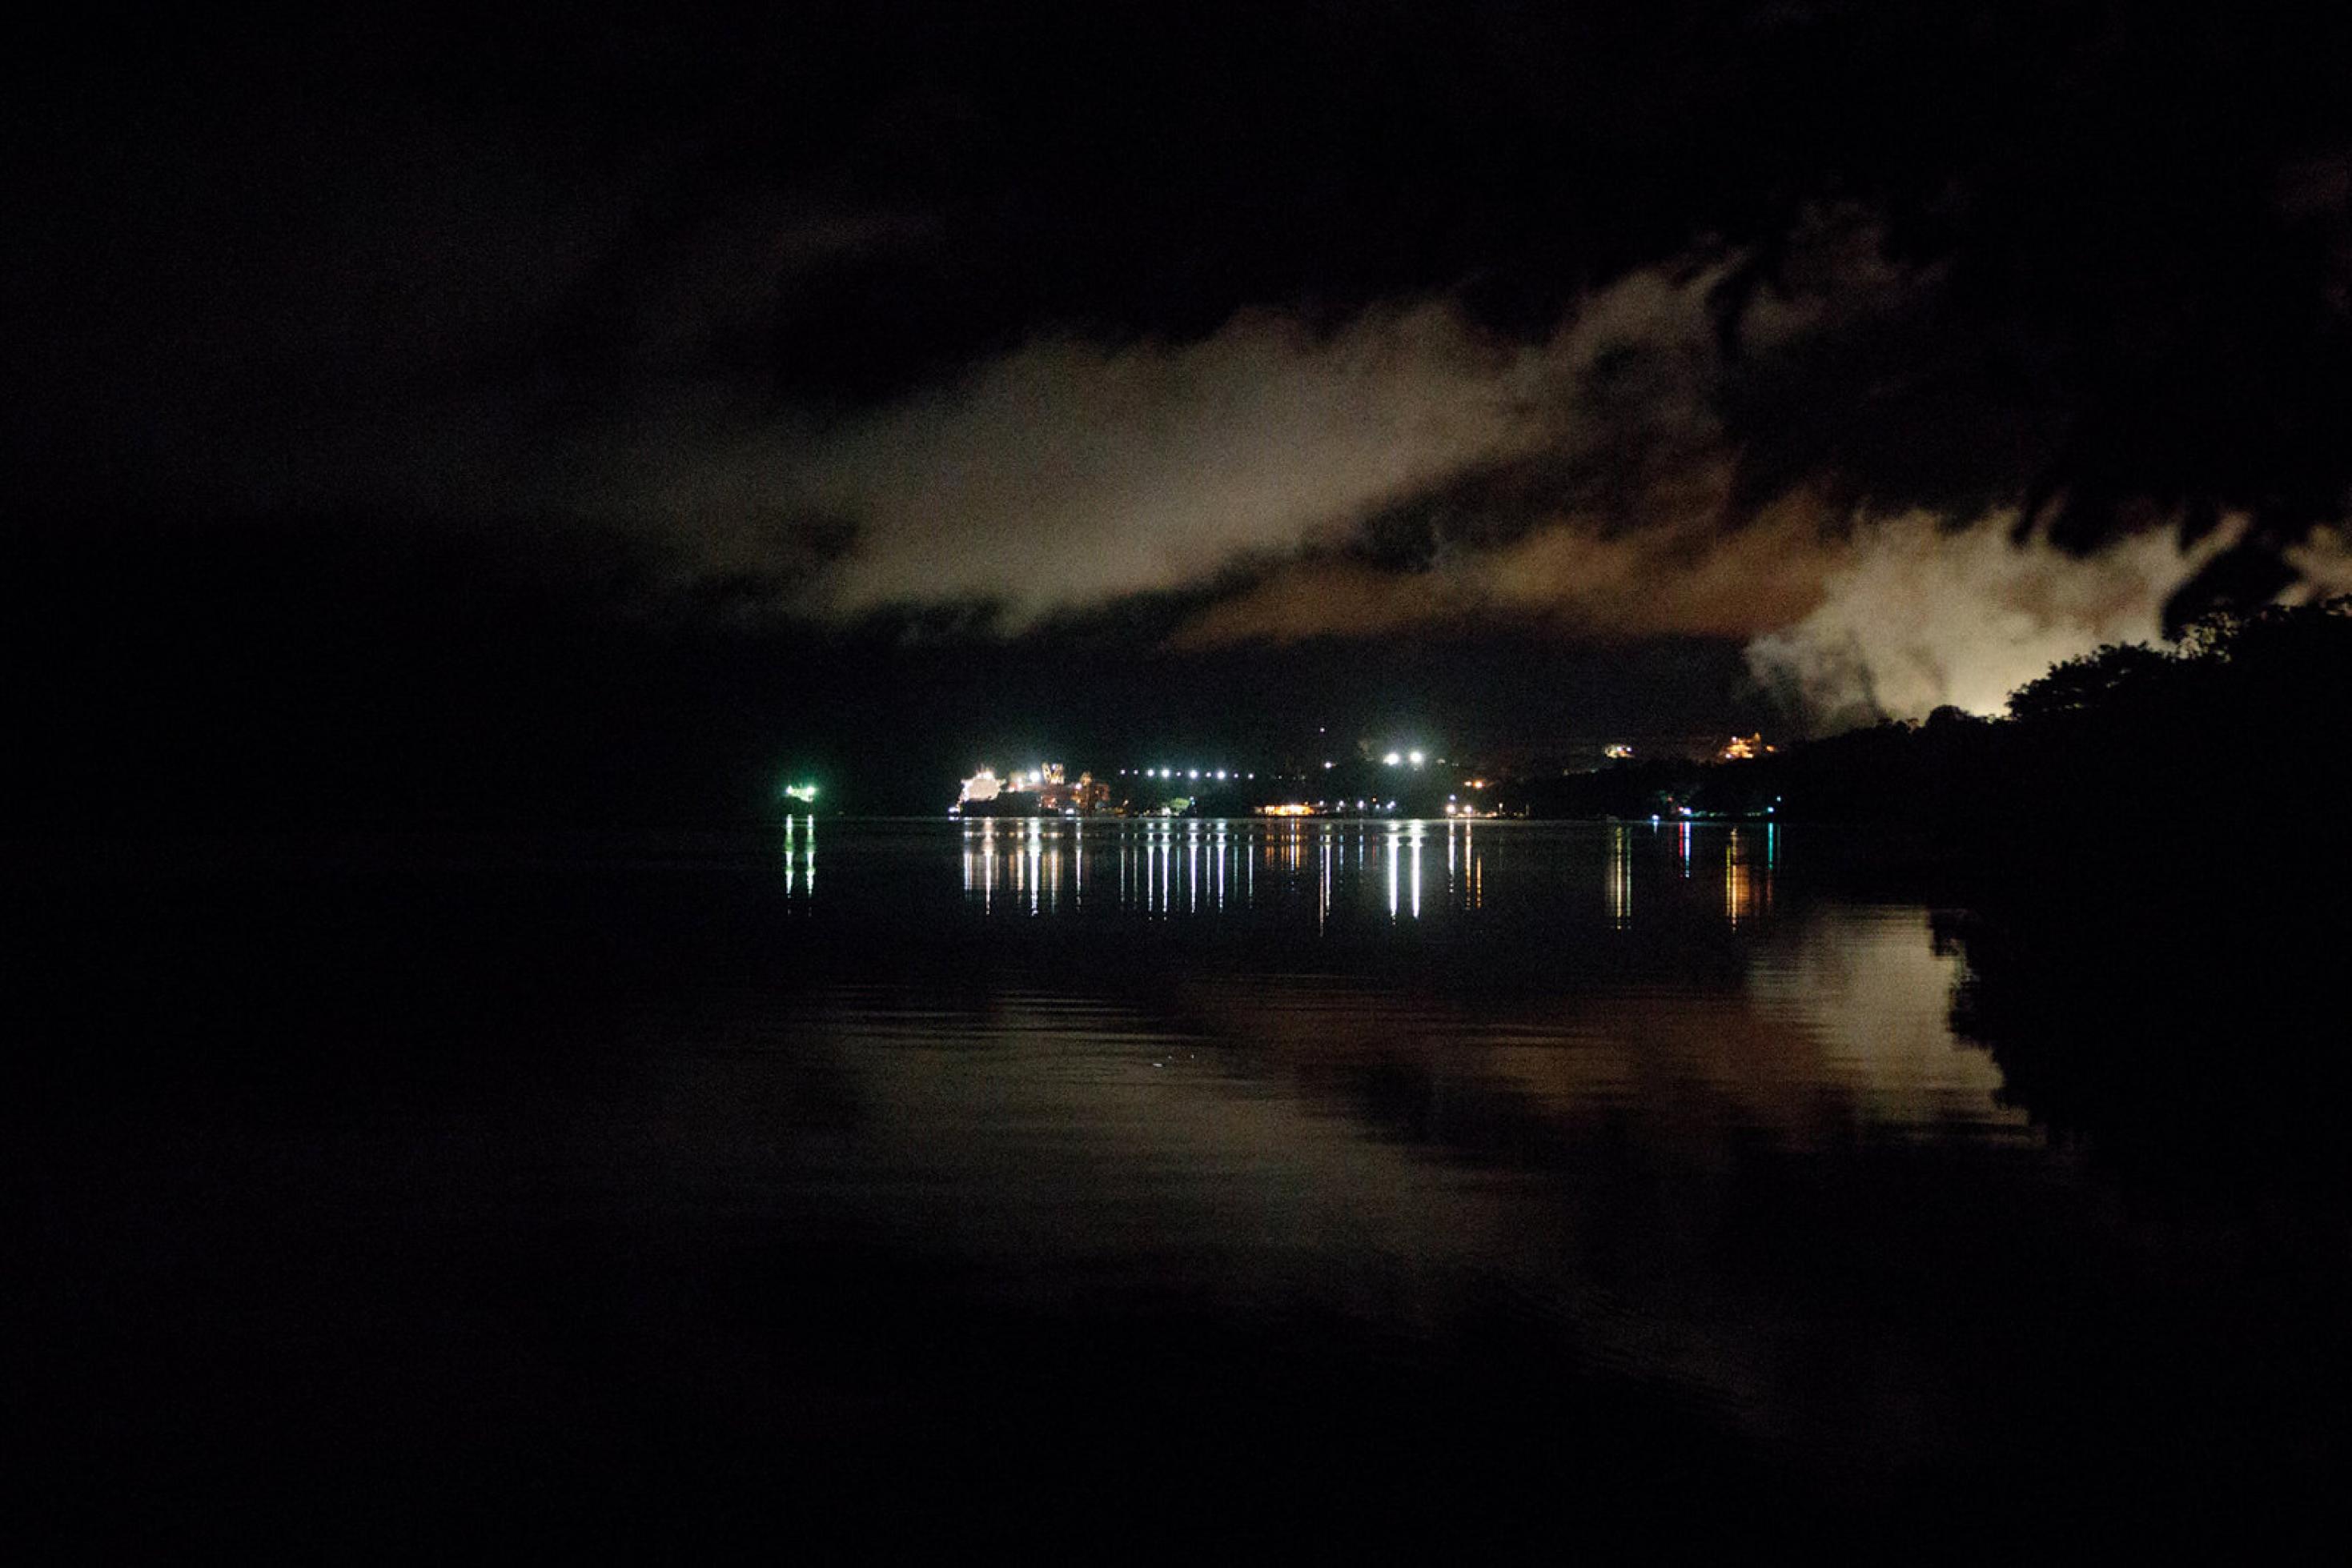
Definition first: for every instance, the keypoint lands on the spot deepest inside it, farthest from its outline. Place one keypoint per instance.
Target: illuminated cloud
(2324, 563)
(1407, 469)
(1681, 576)
(1409, 472)
(1064, 475)
(1656, 465)
(1847, 620)
(1067, 475)
(1918, 615)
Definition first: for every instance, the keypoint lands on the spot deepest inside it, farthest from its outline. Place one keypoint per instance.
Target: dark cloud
(1625, 321)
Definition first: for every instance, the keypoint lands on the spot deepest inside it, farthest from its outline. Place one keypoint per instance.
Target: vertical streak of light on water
(1416, 870)
(1192, 868)
(1621, 877)
(1323, 901)
(1390, 849)
(1738, 889)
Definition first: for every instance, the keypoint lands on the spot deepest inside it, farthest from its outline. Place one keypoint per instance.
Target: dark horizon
(253, 677)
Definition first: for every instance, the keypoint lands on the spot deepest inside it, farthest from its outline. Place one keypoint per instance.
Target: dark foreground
(1150, 1190)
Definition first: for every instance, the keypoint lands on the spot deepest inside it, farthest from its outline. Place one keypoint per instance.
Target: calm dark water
(1127, 1186)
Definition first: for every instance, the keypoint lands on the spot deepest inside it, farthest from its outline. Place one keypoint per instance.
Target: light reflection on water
(1171, 867)
(800, 857)
(1270, 1138)
(1413, 1054)
(1643, 950)
(1637, 955)
(1030, 1137)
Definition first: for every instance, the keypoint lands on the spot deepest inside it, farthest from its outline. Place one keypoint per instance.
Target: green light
(805, 793)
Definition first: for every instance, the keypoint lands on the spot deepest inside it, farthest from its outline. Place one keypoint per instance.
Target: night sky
(611, 409)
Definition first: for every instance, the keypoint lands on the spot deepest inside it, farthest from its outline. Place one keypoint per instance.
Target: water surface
(1502, 1184)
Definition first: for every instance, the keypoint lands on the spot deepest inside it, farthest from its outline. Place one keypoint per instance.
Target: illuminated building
(1046, 789)
(1743, 747)
(1086, 797)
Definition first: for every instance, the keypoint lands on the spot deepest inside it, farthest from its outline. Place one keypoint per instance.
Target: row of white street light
(1393, 760)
